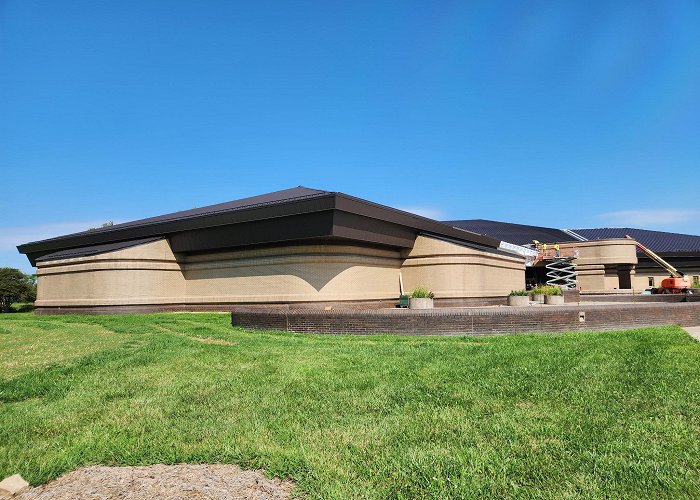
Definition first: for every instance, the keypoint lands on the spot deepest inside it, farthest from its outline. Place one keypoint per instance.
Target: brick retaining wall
(570, 296)
(678, 297)
(215, 307)
(480, 321)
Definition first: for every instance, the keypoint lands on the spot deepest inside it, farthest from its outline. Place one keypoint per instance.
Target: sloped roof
(518, 234)
(657, 241)
(95, 249)
(276, 197)
(297, 193)
(297, 214)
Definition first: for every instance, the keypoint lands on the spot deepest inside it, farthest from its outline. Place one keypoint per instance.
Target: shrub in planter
(421, 298)
(422, 293)
(546, 290)
(554, 299)
(518, 298)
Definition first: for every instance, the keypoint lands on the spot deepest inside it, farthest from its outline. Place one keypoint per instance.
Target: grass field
(614, 414)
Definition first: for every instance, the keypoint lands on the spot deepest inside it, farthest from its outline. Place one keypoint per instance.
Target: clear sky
(564, 114)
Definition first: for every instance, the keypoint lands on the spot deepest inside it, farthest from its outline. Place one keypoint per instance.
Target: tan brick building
(303, 247)
(297, 246)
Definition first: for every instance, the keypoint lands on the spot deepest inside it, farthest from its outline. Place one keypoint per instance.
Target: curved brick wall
(150, 277)
(453, 321)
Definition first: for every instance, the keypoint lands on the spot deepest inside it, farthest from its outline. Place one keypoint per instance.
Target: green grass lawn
(613, 414)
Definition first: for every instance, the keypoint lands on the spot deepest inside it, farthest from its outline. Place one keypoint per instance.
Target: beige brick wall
(452, 270)
(152, 274)
(300, 273)
(596, 266)
(145, 274)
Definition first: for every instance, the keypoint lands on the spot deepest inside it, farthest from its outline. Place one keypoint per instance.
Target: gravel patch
(169, 482)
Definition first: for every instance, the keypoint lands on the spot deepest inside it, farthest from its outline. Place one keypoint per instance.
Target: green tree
(15, 286)
(109, 223)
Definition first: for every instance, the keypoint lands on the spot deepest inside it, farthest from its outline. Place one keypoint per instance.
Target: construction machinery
(559, 265)
(676, 283)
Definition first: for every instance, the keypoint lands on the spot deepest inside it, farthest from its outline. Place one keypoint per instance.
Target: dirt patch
(169, 482)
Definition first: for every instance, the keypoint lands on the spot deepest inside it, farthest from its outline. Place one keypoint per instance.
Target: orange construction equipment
(677, 283)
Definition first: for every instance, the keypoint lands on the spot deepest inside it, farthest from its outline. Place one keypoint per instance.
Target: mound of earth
(212, 481)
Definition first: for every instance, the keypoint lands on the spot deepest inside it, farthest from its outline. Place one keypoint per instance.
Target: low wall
(569, 296)
(207, 307)
(479, 321)
(638, 298)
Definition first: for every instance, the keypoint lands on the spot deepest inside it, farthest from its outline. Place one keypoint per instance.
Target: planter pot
(420, 303)
(518, 300)
(538, 297)
(555, 300)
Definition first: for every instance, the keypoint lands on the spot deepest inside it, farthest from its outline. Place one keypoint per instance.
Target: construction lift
(676, 283)
(561, 270)
(560, 267)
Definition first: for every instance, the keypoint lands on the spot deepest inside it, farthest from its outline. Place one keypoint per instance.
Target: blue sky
(564, 114)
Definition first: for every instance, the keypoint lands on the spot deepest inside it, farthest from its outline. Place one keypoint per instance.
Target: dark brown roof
(297, 193)
(518, 234)
(658, 241)
(95, 249)
(296, 214)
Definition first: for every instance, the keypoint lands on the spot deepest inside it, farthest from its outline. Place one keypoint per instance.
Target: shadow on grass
(22, 307)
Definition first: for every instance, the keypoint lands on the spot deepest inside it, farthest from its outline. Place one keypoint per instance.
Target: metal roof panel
(519, 234)
(657, 241)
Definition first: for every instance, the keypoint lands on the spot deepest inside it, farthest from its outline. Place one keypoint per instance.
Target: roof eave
(164, 228)
(387, 220)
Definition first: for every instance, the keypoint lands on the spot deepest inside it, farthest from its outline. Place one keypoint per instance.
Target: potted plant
(518, 298)
(547, 294)
(553, 296)
(421, 298)
(537, 294)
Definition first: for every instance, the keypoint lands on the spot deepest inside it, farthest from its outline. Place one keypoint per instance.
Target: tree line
(15, 286)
